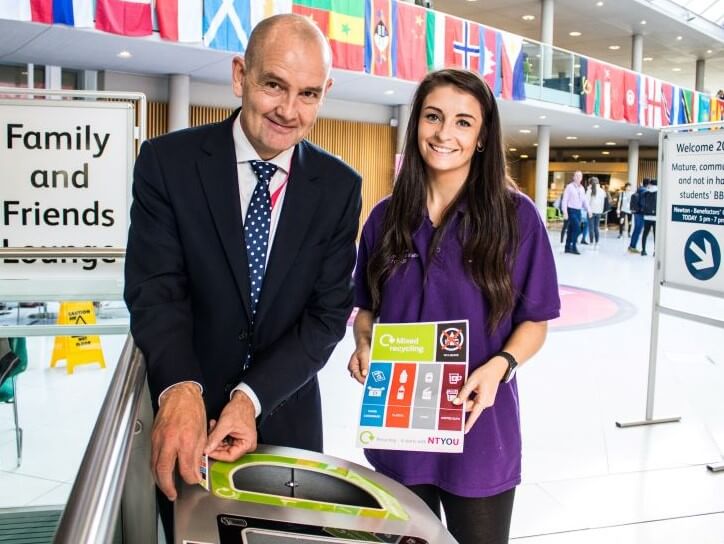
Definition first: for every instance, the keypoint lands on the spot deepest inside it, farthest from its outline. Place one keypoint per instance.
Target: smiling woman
(481, 253)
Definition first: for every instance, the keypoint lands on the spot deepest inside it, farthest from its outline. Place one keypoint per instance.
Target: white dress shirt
(245, 153)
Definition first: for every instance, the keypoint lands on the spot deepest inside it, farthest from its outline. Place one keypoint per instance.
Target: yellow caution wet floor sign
(77, 350)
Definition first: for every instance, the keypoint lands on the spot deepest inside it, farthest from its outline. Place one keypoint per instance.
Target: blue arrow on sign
(702, 255)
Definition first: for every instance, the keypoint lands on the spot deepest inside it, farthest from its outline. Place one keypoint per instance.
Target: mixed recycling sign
(692, 188)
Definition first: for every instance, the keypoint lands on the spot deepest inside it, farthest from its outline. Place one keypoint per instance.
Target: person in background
(596, 200)
(572, 204)
(635, 205)
(240, 254)
(623, 210)
(648, 209)
(458, 240)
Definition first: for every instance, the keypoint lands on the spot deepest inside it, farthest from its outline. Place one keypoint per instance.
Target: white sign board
(692, 188)
(66, 177)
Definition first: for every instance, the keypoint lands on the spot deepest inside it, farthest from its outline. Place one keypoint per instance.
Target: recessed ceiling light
(571, 137)
(389, 91)
(535, 144)
(639, 134)
(599, 4)
(576, 65)
(524, 156)
(605, 152)
(676, 69)
(528, 17)
(643, 22)
(124, 55)
(575, 33)
(680, 38)
(575, 156)
(524, 131)
(610, 143)
(541, 117)
(614, 47)
(596, 126)
(648, 59)
(513, 149)
(709, 51)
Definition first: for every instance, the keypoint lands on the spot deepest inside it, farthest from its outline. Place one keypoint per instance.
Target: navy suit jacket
(187, 280)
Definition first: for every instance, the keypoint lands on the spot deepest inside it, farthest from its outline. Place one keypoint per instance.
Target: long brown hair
(488, 230)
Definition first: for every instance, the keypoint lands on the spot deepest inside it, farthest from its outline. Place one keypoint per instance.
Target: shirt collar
(245, 152)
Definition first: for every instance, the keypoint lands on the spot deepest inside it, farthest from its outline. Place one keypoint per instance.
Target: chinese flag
(411, 41)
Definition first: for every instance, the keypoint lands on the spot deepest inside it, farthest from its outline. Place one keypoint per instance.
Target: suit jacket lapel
(300, 203)
(220, 182)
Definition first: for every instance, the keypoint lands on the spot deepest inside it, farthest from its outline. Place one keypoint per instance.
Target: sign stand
(696, 220)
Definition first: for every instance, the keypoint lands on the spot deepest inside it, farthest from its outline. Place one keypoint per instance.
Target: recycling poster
(692, 186)
(416, 371)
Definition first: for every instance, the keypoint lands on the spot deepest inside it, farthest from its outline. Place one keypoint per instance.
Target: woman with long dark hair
(457, 240)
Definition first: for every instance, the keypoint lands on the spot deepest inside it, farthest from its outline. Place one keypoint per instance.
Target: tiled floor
(585, 481)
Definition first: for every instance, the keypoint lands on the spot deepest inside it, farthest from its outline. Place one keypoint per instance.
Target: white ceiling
(90, 49)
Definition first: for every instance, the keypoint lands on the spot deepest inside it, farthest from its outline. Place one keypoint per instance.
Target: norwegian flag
(462, 44)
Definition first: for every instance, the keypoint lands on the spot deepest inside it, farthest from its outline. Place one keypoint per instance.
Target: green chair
(12, 363)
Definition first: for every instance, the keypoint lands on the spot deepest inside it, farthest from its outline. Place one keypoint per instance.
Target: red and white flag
(651, 103)
(126, 17)
(180, 20)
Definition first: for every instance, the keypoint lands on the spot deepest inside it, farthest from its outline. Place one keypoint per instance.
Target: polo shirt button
(437, 250)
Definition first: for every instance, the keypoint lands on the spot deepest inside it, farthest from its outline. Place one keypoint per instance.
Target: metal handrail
(93, 507)
(62, 252)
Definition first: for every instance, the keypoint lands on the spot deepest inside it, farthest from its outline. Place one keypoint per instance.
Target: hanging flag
(603, 89)
(435, 38)
(668, 104)
(687, 107)
(315, 11)
(462, 44)
(511, 71)
(410, 41)
(227, 24)
(180, 20)
(704, 108)
(490, 61)
(346, 33)
(631, 97)
(717, 109)
(652, 105)
(379, 40)
(126, 17)
(261, 9)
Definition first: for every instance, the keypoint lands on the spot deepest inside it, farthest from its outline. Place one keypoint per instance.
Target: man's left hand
(234, 434)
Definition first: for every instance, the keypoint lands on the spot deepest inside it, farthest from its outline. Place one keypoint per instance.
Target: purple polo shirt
(490, 462)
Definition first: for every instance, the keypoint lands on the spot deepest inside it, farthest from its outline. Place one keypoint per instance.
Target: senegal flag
(343, 22)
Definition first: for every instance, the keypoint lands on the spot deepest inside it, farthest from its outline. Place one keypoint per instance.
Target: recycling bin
(284, 495)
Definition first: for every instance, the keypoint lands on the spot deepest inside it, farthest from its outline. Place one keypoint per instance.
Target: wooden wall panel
(157, 123)
(202, 115)
(647, 169)
(369, 148)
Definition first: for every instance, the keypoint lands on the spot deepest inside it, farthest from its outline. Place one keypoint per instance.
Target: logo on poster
(452, 339)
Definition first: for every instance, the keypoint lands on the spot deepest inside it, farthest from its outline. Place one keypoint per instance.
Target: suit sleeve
(298, 355)
(156, 285)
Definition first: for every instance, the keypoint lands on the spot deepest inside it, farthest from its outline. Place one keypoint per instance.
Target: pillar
(637, 52)
(402, 114)
(179, 93)
(700, 72)
(633, 162)
(541, 169)
(546, 36)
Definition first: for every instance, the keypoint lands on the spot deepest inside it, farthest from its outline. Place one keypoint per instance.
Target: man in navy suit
(234, 326)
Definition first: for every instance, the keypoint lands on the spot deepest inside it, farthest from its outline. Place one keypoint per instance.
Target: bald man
(240, 254)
